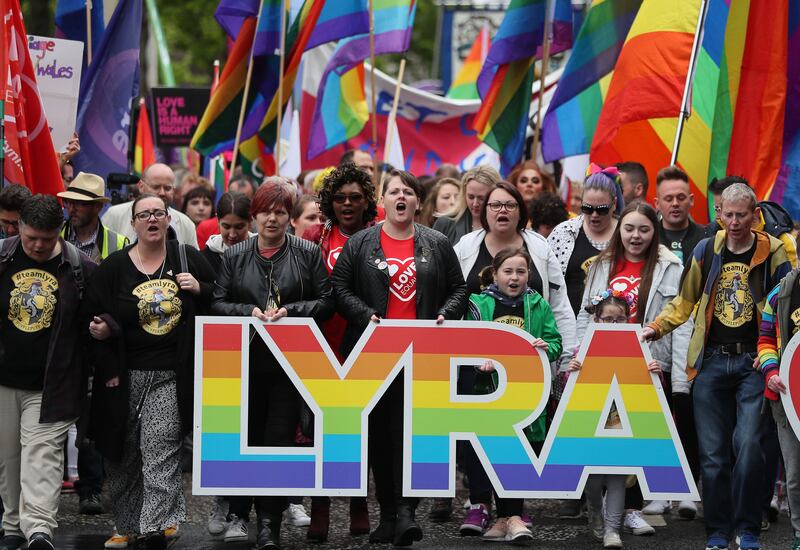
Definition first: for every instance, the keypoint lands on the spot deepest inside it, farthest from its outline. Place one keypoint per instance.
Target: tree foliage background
(195, 39)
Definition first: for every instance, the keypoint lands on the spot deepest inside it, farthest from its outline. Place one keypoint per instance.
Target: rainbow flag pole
(279, 112)
(374, 101)
(547, 37)
(392, 121)
(245, 93)
(687, 90)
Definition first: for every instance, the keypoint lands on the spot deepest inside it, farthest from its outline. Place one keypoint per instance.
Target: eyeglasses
(613, 319)
(601, 209)
(510, 206)
(341, 198)
(9, 223)
(145, 215)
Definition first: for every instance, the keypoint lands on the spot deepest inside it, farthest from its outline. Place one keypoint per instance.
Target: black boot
(384, 532)
(269, 532)
(406, 529)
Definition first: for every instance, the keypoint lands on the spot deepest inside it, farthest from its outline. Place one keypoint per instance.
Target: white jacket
(554, 289)
(118, 218)
(670, 351)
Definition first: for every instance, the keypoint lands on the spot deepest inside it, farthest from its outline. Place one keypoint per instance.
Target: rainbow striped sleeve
(769, 341)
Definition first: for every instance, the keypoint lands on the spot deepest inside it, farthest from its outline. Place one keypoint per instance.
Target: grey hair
(739, 192)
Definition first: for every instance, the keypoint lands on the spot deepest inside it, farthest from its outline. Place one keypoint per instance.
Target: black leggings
(386, 449)
(273, 414)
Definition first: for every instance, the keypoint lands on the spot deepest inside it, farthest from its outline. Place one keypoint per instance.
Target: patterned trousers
(145, 486)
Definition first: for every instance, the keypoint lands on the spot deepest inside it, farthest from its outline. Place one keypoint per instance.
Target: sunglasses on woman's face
(601, 209)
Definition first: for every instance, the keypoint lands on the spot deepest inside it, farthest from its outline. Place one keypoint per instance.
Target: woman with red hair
(530, 181)
(270, 276)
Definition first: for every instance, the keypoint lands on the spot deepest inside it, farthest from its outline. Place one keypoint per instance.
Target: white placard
(57, 65)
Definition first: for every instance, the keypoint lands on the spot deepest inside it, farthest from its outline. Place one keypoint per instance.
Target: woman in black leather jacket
(270, 276)
(395, 270)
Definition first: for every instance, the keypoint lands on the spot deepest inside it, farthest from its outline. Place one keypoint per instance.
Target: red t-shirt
(336, 241)
(627, 279)
(402, 277)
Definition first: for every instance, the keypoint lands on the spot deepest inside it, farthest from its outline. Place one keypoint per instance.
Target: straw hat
(86, 188)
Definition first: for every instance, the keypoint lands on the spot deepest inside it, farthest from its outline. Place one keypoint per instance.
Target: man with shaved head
(157, 179)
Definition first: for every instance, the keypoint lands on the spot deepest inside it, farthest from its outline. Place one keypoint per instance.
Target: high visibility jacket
(107, 241)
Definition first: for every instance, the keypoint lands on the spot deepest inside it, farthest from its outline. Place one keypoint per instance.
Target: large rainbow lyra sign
(428, 357)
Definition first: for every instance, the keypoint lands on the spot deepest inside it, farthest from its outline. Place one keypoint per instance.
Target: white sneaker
(657, 507)
(296, 515)
(218, 518)
(611, 539)
(687, 509)
(635, 523)
(236, 531)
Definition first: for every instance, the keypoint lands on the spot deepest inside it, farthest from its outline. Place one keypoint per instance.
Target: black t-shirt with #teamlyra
(150, 311)
(794, 306)
(735, 318)
(28, 306)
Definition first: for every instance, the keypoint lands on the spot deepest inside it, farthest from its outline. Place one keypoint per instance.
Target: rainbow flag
(318, 22)
(341, 109)
(217, 129)
(465, 84)
(649, 77)
(506, 79)
(144, 153)
(568, 127)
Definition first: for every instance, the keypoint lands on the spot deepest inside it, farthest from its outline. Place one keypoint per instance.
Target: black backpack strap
(74, 258)
(182, 255)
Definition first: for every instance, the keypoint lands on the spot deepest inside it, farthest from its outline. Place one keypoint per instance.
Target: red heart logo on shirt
(402, 278)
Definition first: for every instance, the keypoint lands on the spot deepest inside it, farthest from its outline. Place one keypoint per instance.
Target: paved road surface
(88, 533)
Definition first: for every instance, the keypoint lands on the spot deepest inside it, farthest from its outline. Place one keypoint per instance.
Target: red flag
(30, 158)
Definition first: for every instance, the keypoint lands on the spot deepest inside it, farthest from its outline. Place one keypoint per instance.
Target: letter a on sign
(645, 443)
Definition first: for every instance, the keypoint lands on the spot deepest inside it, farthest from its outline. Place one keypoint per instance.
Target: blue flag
(71, 23)
(107, 88)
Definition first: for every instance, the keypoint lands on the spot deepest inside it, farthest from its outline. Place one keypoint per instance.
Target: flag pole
(686, 107)
(547, 38)
(88, 32)
(280, 91)
(392, 121)
(248, 78)
(374, 102)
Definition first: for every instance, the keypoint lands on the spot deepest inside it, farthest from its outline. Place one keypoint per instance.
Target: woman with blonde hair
(465, 216)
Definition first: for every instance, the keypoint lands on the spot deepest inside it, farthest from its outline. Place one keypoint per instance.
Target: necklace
(141, 264)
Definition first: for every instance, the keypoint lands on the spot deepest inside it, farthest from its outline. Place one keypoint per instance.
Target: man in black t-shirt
(41, 280)
(729, 285)
(674, 201)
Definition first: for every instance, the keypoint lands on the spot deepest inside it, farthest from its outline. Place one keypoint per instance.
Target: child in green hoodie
(506, 298)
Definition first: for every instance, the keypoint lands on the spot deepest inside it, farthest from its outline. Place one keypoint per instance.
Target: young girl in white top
(610, 306)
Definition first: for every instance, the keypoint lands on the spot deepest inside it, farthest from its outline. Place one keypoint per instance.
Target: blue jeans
(728, 395)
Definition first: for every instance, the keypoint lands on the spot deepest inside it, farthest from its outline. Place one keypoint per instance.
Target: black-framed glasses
(145, 215)
(601, 209)
(616, 320)
(497, 206)
(341, 198)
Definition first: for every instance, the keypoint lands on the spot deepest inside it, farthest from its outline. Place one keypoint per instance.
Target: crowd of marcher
(97, 334)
